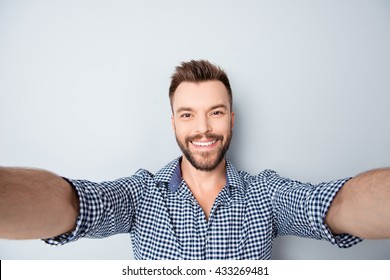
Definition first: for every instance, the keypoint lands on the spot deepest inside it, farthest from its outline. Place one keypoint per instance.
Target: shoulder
(262, 175)
(264, 178)
(267, 183)
(252, 183)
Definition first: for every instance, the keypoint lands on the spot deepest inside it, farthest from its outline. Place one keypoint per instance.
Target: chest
(176, 227)
(206, 199)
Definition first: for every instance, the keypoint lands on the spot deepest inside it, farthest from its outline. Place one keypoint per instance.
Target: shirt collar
(176, 178)
(171, 175)
(166, 174)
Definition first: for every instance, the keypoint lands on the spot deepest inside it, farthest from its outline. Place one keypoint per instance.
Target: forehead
(200, 95)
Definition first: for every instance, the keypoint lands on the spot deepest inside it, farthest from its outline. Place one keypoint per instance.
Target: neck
(203, 180)
(204, 185)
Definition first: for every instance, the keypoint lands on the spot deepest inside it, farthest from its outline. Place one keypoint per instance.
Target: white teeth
(204, 144)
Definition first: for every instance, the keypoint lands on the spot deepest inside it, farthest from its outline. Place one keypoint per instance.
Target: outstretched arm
(362, 206)
(35, 204)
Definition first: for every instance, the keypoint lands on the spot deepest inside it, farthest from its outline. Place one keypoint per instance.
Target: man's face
(203, 122)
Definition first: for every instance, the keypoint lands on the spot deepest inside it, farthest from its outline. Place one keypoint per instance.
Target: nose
(203, 125)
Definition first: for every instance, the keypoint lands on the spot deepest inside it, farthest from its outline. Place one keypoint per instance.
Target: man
(199, 206)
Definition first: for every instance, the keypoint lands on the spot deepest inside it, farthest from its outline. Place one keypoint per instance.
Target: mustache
(205, 135)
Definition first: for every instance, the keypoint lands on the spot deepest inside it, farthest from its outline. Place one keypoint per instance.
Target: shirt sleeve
(106, 208)
(300, 208)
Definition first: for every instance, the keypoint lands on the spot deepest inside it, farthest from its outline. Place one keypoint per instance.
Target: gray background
(84, 93)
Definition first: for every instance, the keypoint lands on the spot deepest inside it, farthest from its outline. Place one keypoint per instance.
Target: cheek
(222, 127)
(180, 130)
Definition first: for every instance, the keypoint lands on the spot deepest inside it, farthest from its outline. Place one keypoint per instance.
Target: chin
(202, 164)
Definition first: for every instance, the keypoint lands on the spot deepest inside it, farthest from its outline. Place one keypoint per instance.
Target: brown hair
(199, 71)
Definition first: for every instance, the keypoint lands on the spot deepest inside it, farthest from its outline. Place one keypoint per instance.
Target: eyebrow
(189, 109)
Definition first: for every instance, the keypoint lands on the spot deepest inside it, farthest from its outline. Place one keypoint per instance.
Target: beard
(205, 161)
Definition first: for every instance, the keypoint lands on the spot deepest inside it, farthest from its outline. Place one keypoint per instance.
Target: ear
(173, 123)
(232, 119)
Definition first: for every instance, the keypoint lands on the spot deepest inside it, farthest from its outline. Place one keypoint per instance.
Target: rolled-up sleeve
(300, 208)
(106, 208)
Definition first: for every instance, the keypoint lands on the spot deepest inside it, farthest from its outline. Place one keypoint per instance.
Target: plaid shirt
(166, 222)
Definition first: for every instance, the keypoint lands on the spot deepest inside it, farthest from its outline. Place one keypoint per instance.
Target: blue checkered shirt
(166, 222)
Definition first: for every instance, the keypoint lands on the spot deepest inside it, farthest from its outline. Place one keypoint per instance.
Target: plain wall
(84, 93)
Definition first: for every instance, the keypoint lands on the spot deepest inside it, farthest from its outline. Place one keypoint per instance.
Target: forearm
(35, 204)
(362, 206)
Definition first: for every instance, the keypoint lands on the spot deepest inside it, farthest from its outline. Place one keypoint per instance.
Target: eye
(217, 113)
(185, 115)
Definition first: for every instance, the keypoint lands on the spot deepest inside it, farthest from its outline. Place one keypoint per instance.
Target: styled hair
(199, 71)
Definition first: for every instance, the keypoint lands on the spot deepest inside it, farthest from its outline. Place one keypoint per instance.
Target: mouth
(204, 143)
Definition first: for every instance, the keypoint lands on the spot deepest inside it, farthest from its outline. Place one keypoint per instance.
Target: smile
(204, 144)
